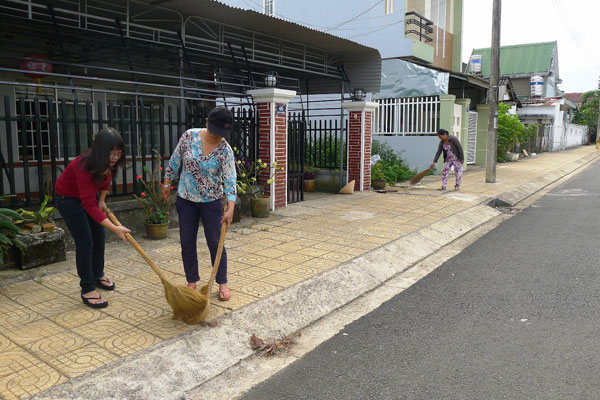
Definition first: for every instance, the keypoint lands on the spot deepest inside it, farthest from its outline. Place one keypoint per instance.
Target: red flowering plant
(156, 208)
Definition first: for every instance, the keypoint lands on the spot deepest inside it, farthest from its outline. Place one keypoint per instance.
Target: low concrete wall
(417, 151)
(129, 214)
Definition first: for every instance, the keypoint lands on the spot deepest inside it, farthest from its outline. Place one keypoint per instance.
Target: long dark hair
(97, 159)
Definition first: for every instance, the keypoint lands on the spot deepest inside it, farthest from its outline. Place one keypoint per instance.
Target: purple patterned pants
(457, 170)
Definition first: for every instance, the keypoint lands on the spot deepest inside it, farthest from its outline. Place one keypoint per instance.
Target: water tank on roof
(475, 63)
(536, 84)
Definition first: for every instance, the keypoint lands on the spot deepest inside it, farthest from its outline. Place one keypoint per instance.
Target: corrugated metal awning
(362, 64)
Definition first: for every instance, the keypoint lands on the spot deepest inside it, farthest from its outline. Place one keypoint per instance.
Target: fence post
(272, 106)
(359, 142)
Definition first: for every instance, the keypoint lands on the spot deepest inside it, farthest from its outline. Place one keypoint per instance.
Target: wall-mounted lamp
(358, 94)
(271, 79)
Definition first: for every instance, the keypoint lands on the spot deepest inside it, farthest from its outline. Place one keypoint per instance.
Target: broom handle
(135, 245)
(213, 273)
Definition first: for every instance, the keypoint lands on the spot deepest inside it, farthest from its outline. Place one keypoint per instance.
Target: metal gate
(472, 138)
(296, 157)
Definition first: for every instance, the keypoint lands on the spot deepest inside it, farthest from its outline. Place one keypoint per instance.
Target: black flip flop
(100, 284)
(86, 301)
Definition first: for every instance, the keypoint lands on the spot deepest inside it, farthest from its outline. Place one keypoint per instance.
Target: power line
(356, 16)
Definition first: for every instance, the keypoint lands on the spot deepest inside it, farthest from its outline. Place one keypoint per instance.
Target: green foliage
(588, 112)
(43, 215)
(511, 131)
(319, 151)
(392, 165)
(9, 231)
(248, 174)
(156, 208)
(377, 173)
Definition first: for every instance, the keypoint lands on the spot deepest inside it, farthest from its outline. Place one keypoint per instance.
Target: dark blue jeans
(89, 241)
(190, 215)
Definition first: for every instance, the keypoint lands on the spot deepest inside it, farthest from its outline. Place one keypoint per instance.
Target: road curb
(176, 366)
(512, 197)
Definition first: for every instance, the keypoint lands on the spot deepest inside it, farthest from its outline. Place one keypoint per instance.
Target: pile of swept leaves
(274, 348)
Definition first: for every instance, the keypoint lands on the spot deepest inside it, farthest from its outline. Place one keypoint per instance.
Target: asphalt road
(516, 315)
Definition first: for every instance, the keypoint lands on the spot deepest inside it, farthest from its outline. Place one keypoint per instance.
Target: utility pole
(598, 126)
(492, 143)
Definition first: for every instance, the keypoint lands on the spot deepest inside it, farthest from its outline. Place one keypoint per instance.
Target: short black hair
(442, 132)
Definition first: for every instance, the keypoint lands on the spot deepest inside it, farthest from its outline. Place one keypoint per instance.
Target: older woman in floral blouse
(208, 172)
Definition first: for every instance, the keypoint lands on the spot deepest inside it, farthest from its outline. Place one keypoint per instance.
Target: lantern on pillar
(38, 66)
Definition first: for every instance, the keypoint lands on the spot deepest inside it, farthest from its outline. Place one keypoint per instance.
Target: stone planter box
(38, 249)
(327, 181)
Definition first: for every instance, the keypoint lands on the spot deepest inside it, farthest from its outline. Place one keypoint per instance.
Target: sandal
(106, 286)
(224, 294)
(87, 302)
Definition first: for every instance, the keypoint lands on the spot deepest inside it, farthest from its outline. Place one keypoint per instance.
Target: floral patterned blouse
(203, 178)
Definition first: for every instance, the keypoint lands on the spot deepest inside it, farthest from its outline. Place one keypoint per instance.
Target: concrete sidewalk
(286, 272)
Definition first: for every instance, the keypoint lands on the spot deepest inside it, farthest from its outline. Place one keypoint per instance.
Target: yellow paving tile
(254, 273)
(6, 344)
(336, 257)
(276, 265)
(272, 253)
(82, 360)
(62, 282)
(251, 248)
(259, 288)
(76, 317)
(320, 263)
(254, 259)
(135, 313)
(49, 348)
(312, 252)
(282, 279)
(290, 247)
(102, 328)
(36, 377)
(267, 243)
(128, 342)
(164, 326)
(33, 331)
(238, 300)
(304, 270)
(295, 258)
(15, 315)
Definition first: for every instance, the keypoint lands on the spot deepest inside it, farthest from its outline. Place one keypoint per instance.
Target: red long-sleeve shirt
(77, 182)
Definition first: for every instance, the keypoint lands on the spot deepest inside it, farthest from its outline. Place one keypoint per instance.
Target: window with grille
(27, 138)
(269, 7)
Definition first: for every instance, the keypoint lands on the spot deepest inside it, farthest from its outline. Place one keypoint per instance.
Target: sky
(575, 24)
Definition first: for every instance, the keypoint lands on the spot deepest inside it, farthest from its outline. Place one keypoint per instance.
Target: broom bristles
(188, 305)
(417, 178)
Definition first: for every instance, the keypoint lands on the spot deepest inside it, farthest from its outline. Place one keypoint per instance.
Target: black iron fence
(296, 156)
(41, 136)
(323, 141)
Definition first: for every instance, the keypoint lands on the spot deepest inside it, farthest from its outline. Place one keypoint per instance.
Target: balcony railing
(419, 26)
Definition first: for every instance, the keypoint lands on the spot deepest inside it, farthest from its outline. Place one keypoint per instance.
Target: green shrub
(9, 232)
(394, 168)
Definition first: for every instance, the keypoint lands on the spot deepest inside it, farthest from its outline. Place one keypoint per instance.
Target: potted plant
(10, 243)
(309, 178)
(378, 177)
(43, 242)
(37, 221)
(248, 185)
(156, 209)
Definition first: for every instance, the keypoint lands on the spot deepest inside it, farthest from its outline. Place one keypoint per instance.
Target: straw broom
(188, 305)
(417, 178)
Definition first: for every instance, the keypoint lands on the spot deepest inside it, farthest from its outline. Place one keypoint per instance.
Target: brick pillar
(272, 138)
(360, 119)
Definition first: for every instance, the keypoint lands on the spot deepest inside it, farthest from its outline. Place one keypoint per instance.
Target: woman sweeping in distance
(80, 193)
(208, 172)
(453, 156)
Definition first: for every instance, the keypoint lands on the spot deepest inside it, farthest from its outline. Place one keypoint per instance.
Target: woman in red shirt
(80, 193)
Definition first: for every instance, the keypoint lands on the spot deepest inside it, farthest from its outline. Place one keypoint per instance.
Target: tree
(588, 112)
(511, 131)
